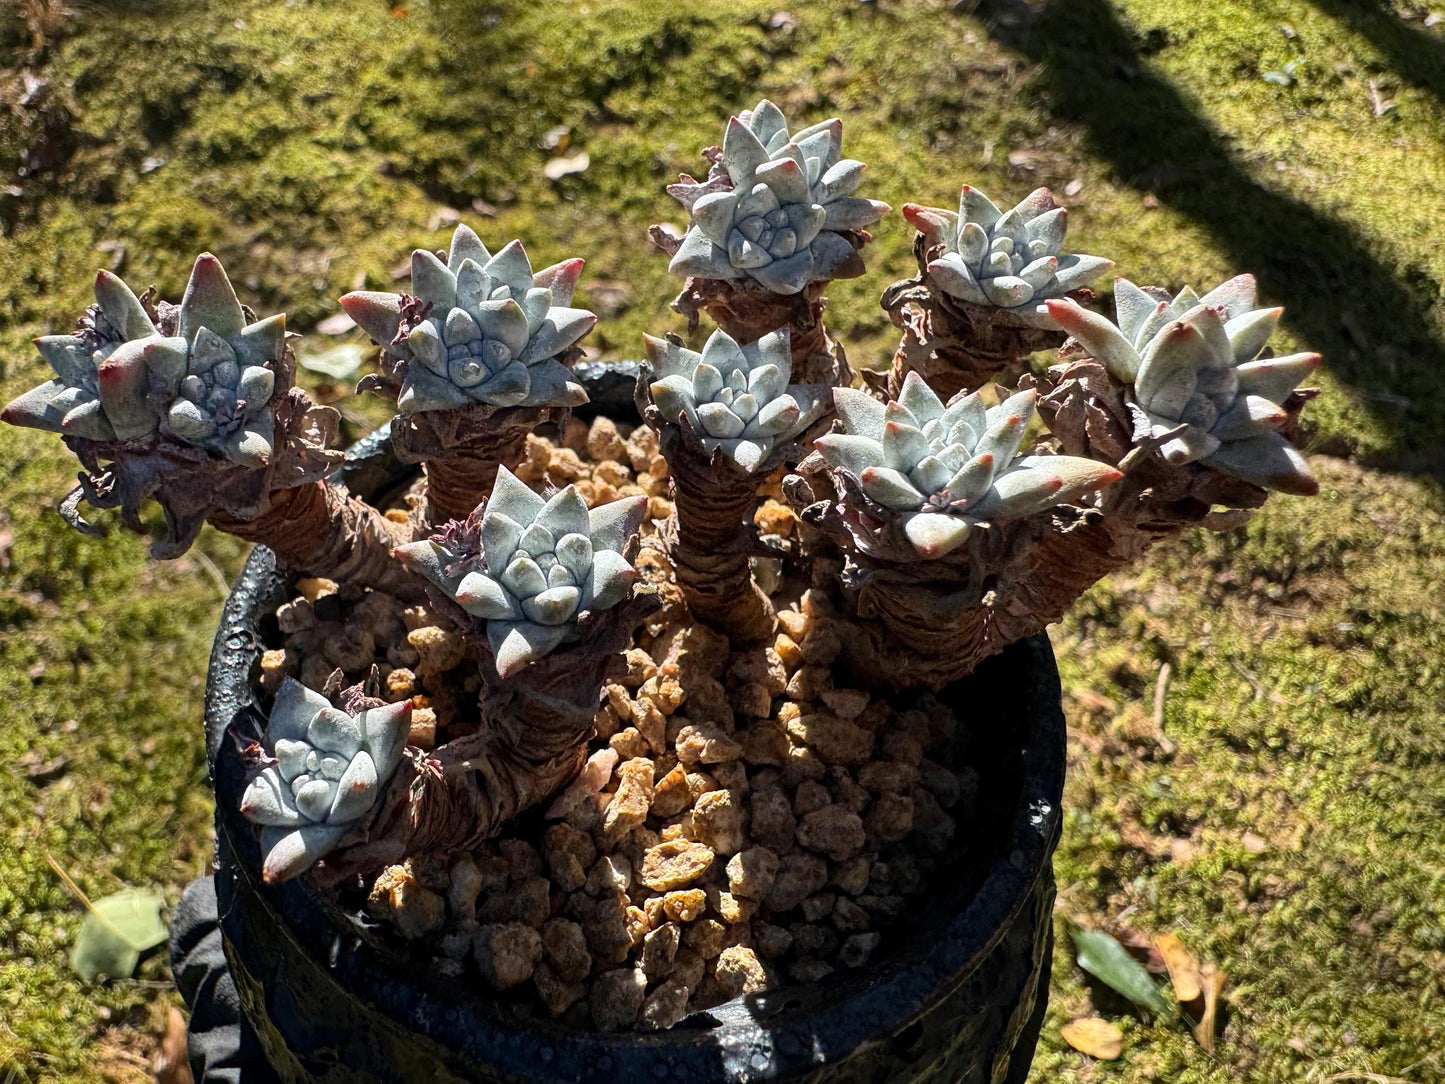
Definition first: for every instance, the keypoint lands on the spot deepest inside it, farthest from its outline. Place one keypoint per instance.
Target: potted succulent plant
(714, 740)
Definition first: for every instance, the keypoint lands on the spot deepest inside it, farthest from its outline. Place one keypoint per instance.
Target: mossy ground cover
(1286, 816)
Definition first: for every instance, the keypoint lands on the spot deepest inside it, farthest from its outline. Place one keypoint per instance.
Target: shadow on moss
(1340, 296)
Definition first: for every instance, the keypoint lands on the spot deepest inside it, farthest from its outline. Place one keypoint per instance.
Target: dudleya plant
(326, 770)
(1009, 260)
(119, 378)
(492, 331)
(735, 397)
(947, 470)
(1199, 384)
(543, 563)
(780, 215)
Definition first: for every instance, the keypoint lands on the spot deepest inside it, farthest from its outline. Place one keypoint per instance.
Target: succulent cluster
(1010, 260)
(328, 769)
(542, 564)
(779, 215)
(948, 469)
(121, 378)
(492, 330)
(736, 398)
(1199, 383)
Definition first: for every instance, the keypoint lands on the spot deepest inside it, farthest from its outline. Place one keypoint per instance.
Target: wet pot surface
(959, 998)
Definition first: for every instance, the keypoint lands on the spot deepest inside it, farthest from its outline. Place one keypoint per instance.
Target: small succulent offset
(120, 378)
(780, 214)
(328, 771)
(736, 398)
(1010, 260)
(1198, 380)
(492, 333)
(949, 469)
(543, 563)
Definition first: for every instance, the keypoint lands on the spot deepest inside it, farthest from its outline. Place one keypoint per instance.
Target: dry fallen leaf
(1211, 978)
(1183, 967)
(1095, 1037)
(171, 1064)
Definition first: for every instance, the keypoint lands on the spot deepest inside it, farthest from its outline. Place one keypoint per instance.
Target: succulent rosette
(777, 211)
(119, 378)
(1198, 381)
(736, 398)
(543, 563)
(946, 470)
(327, 769)
(1009, 260)
(492, 330)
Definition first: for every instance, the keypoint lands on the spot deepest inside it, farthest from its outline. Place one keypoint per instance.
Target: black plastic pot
(959, 997)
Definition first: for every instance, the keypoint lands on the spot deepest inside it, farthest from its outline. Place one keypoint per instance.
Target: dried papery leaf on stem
(955, 344)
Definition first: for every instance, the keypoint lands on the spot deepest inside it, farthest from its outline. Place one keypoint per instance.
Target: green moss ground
(1288, 825)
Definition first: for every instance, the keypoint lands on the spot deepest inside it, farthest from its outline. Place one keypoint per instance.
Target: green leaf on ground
(1101, 955)
(116, 930)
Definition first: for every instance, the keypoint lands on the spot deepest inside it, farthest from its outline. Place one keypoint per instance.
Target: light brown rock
(630, 804)
(616, 998)
(739, 971)
(507, 954)
(399, 897)
(438, 650)
(751, 873)
(704, 743)
(717, 821)
(685, 905)
(671, 795)
(833, 830)
(675, 864)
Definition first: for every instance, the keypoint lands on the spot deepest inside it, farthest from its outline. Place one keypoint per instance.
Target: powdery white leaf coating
(494, 331)
(1197, 378)
(330, 769)
(779, 223)
(946, 469)
(546, 561)
(215, 376)
(1011, 260)
(736, 397)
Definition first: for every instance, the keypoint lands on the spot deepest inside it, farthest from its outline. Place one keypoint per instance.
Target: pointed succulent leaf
(482, 596)
(514, 644)
(560, 330)
(566, 513)
(553, 606)
(121, 307)
(1236, 296)
(289, 852)
(612, 525)
(1098, 336)
(356, 790)
(514, 499)
(376, 313)
(891, 488)
(1275, 378)
(699, 256)
(511, 268)
(432, 281)
(560, 279)
(122, 380)
(33, 409)
(1077, 269)
(951, 273)
(861, 413)
(1245, 419)
(1267, 460)
(466, 245)
(264, 801)
(743, 152)
(209, 301)
(975, 207)
(1249, 331)
(935, 534)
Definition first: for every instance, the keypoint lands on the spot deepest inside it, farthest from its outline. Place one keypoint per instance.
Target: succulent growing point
(779, 210)
(543, 563)
(487, 330)
(326, 771)
(736, 398)
(1198, 382)
(119, 378)
(946, 470)
(1010, 260)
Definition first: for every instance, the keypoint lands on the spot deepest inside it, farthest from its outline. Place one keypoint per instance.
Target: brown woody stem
(710, 537)
(320, 530)
(747, 312)
(954, 345)
(461, 450)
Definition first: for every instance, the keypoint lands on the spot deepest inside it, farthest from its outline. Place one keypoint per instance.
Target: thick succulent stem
(532, 741)
(461, 450)
(458, 483)
(954, 345)
(320, 530)
(710, 537)
(919, 623)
